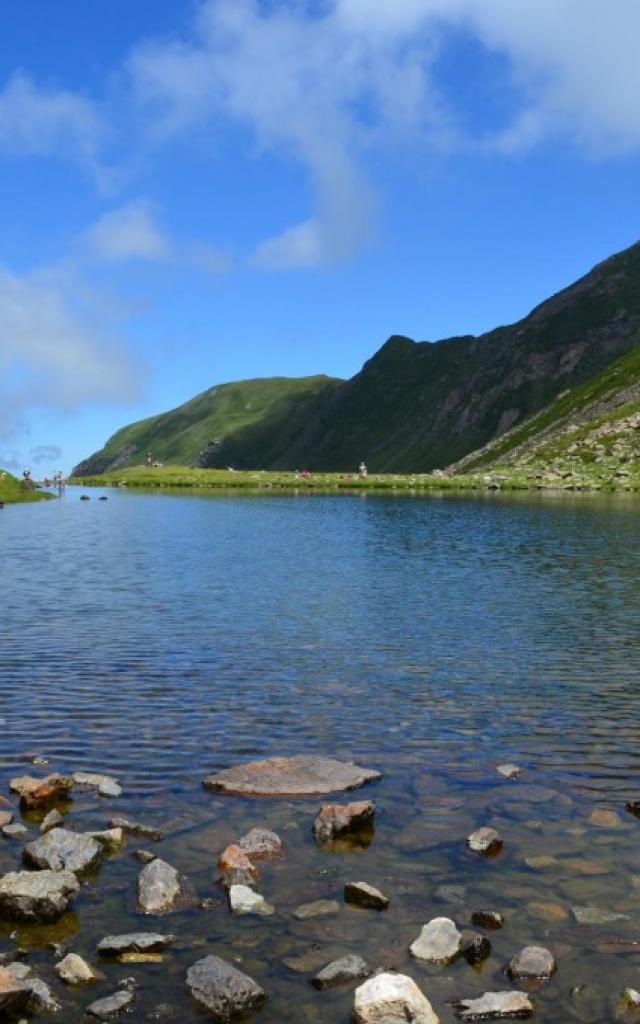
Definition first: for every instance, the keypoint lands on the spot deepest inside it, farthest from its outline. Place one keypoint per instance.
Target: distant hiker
(149, 460)
(362, 471)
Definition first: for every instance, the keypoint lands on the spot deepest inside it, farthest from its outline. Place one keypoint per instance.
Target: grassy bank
(12, 490)
(501, 478)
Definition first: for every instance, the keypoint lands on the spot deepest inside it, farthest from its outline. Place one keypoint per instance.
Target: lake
(160, 637)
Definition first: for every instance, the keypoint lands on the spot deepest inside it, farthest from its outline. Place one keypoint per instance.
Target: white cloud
(128, 232)
(45, 453)
(54, 350)
(37, 121)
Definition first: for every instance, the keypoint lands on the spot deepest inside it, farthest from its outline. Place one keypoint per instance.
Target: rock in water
(392, 999)
(318, 908)
(15, 831)
(338, 819)
(533, 963)
(6, 817)
(475, 948)
(438, 943)
(158, 887)
(12, 994)
(135, 828)
(222, 990)
(111, 1007)
(236, 867)
(134, 942)
(509, 771)
(261, 844)
(61, 850)
(36, 895)
(105, 784)
(363, 895)
(485, 841)
(338, 972)
(593, 915)
(495, 1006)
(110, 838)
(39, 996)
(74, 970)
(40, 792)
(52, 820)
(244, 900)
(487, 919)
(304, 775)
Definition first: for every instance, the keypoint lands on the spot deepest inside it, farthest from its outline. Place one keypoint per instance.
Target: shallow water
(162, 637)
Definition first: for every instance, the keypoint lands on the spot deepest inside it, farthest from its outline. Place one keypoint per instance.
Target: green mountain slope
(589, 437)
(414, 406)
(243, 424)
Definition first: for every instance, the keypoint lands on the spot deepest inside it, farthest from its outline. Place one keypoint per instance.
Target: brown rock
(6, 817)
(303, 775)
(236, 867)
(40, 792)
(364, 895)
(337, 819)
(604, 818)
(490, 919)
(12, 993)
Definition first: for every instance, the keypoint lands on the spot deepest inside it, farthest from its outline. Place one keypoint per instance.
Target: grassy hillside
(243, 424)
(12, 490)
(414, 406)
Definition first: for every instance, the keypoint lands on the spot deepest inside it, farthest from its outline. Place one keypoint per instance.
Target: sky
(199, 192)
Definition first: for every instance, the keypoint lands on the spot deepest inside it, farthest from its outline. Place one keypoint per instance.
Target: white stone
(485, 841)
(75, 970)
(394, 999)
(244, 900)
(495, 1006)
(438, 942)
(509, 771)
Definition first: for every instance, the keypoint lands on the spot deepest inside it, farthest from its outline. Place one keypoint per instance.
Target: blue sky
(193, 193)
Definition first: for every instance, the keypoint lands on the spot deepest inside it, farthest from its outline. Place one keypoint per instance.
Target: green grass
(12, 490)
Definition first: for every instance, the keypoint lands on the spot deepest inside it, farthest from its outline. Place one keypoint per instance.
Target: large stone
(303, 775)
(221, 990)
(158, 887)
(74, 970)
(392, 999)
(318, 908)
(338, 819)
(261, 844)
(438, 943)
(485, 841)
(36, 895)
(111, 1007)
(135, 828)
(533, 963)
(495, 1006)
(105, 784)
(12, 993)
(236, 867)
(244, 900)
(62, 850)
(134, 942)
(363, 895)
(341, 971)
(34, 792)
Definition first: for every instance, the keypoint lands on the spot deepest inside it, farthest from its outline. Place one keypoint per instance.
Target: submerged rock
(135, 828)
(341, 971)
(318, 908)
(62, 850)
(35, 792)
(158, 887)
(303, 775)
(495, 1006)
(487, 919)
(75, 970)
(485, 841)
(111, 1007)
(244, 900)
(105, 784)
(236, 867)
(533, 963)
(261, 844)
(338, 819)
(594, 915)
(15, 831)
(36, 895)
(438, 942)
(363, 895)
(145, 856)
(392, 999)
(52, 820)
(222, 990)
(602, 817)
(134, 942)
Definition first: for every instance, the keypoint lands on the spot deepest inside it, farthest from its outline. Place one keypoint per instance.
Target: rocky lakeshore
(185, 948)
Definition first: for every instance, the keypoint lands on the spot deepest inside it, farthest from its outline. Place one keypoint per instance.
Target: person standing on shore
(362, 471)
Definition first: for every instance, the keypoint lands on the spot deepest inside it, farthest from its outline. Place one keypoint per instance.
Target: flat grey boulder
(74, 970)
(134, 942)
(485, 841)
(532, 962)
(341, 971)
(303, 775)
(495, 1006)
(392, 999)
(158, 887)
(105, 784)
(111, 1007)
(62, 850)
(136, 828)
(16, 830)
(36, 895)
(438, 943)
(51, 820)
(363, 895)
(244, 900)
(318, 908)
(221, 990)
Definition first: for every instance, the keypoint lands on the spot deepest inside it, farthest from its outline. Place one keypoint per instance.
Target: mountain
(414, 406)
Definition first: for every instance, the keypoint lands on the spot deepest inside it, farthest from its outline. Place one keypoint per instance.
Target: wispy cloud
(48, 121)
(45, 453)
(129, 232)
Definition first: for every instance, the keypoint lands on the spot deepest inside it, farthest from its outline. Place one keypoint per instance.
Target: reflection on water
(162, 637)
